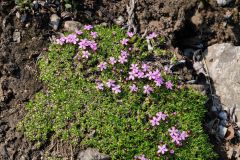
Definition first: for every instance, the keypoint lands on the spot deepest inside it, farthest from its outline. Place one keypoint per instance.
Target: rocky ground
(190, 27)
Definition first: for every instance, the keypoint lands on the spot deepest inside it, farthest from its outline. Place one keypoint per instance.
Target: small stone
(55, 21)
(18, 15)
(92, 154)
(72, 26)
(17, 36)
(119, 21)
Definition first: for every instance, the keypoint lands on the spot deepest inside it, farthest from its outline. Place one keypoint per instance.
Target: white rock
(223, 2)
(71, 26)
(223, 64)
(55, 21)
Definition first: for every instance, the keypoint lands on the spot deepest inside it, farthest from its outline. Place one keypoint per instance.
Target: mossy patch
(118, 124)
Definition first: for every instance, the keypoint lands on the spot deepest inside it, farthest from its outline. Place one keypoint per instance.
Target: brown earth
(185, 23)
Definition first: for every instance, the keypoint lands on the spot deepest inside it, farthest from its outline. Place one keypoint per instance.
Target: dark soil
(185, 23)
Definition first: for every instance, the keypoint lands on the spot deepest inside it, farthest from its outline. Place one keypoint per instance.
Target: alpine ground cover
(105, 89)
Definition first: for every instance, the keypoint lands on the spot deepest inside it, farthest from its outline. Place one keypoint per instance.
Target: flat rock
(92, 154)
(72, 26)
(223, 64)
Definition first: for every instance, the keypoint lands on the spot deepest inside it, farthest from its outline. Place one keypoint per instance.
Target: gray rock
(223, 115)
(223, 2)
(92, 154)
(223, 64)
(71, 26)
(55, 21)
(222, 131)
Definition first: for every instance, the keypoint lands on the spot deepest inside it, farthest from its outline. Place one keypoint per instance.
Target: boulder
(223, 65)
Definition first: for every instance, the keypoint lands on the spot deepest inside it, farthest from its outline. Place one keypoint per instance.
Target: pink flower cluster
(84, 43)
(156, 119)
(110, 84)
(177, 136)
(71, 38)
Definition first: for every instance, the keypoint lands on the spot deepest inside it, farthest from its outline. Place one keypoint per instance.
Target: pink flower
(132, 75)
(110, 83)
(154, 121)
(156, 74)
(134, 67)
(147, 89)
(145, 67)
(140, 74)
(152, 35)
(72, 38)
(173, 131)
(161, 116)
(88, 27)
(124, 41)
(85, 54)
(102, 66)
(183, 135)
(176, 140)
(83, 43)
(93, 45)
(150, 75)
(159, 81)
(116, 89)
(94, 34)
(112, 60)
(130, 34)
(169, 85)
(124, 53)
(122, 59)
(133, 88)
(61, 41)
(78, 32)
(162, 149)
(99, 86)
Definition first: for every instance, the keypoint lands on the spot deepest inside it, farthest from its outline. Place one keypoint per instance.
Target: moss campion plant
(106, 90)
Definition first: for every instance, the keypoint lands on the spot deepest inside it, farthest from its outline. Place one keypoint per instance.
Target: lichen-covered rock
(223, 64)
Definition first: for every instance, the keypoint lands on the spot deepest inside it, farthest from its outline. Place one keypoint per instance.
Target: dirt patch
(18, 83)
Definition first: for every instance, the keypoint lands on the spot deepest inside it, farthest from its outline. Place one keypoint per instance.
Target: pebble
(55, 21)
